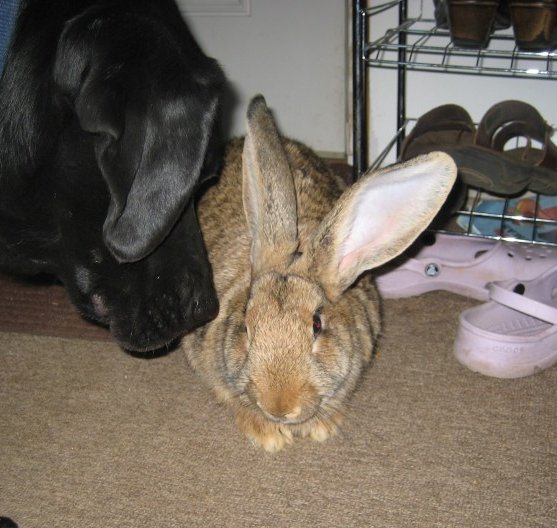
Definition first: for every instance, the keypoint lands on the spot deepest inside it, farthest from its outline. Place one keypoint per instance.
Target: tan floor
(91, 437)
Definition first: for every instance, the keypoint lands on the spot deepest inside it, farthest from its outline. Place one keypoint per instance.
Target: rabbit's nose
(294, 404)
(279, 412)
(295, 413)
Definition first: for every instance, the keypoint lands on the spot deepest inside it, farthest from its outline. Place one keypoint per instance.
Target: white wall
(294, 52)
(428, 90)
(291, 51)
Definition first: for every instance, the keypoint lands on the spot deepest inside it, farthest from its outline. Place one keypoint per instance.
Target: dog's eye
(316, 324)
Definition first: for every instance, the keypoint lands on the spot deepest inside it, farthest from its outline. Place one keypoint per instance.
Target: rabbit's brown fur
(291, 338)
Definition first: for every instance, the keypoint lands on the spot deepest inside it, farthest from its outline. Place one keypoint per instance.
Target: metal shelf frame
(418, 44)
(504, 223)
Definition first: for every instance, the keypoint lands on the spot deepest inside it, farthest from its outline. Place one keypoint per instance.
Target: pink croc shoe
(515, 333)
(464, 265)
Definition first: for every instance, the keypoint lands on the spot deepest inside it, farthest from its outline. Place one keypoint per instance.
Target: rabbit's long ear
(378, 218)
(268, 190)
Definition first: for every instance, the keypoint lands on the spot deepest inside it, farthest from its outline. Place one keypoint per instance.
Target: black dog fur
(108, 125)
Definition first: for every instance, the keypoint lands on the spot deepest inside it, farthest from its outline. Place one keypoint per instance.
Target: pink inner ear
(365, 252)
(383, 214)
(347, 262)
(373, 224)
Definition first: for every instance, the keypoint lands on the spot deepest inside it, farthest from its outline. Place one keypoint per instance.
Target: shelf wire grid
(429, 48)
(534, 228)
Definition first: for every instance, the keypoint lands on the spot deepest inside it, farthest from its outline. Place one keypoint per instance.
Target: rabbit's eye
(316, 324)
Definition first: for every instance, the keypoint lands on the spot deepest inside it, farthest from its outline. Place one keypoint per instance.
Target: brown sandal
(440, 129)
(448, 124)
(479, 154)
(510, 120)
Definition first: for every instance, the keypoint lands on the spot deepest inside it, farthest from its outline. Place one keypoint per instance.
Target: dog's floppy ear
(152, 112)
(151, 165)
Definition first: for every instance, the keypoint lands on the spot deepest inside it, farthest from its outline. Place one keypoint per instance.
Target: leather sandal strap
(550, 159)
(445, 124)
(505, 112)
(510, 119)
(523, 304)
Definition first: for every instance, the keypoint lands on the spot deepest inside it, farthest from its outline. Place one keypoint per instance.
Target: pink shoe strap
(522, 304)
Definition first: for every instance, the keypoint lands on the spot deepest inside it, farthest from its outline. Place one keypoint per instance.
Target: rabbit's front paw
(267, 435)
(322, 430)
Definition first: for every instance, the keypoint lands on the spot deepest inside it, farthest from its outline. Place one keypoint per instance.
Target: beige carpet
(91, 437)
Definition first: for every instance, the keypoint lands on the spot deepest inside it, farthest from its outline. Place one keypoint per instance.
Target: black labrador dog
(108, 126)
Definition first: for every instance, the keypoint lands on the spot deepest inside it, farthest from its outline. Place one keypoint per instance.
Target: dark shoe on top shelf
(502, 18)
(534, 24)
(471, 22)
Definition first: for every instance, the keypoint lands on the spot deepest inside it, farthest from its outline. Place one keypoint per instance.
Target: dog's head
(131, 104)
(147, 303)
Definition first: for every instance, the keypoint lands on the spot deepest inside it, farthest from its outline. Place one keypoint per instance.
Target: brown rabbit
(298, 320)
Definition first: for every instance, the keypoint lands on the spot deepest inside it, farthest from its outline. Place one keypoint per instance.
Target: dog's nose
(205, 308)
